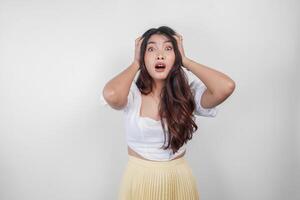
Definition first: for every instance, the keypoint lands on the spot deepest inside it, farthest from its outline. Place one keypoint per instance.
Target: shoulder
(132, 98)
(198, 88)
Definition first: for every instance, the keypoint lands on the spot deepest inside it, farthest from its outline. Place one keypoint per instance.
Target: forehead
(158, 38)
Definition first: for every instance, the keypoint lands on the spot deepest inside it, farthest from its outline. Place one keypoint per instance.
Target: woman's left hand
(179, 39)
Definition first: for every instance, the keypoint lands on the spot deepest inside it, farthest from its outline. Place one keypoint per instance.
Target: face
(159, 49)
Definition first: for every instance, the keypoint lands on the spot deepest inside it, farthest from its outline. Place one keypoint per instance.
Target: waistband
(149, 163)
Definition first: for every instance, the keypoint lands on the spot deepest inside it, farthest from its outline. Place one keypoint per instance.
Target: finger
(137, 39)
(140, 41)
(178, 37)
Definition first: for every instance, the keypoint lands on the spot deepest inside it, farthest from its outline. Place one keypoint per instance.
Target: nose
(160, 56)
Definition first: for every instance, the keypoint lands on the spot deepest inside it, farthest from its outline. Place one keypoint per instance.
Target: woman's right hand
(137, 50)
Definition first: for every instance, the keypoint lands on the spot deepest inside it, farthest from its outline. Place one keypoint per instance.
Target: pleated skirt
(158, 180)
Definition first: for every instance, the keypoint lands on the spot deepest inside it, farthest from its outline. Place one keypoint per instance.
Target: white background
(57, 142)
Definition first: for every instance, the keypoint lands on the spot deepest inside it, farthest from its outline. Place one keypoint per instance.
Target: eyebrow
(151, 42)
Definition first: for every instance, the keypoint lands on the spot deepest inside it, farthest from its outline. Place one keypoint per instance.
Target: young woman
(159, 109)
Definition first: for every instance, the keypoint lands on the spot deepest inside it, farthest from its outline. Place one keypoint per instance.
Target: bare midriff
(135, 154)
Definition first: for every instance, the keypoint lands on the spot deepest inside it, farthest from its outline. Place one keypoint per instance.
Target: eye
(150, 48)
(170, 48)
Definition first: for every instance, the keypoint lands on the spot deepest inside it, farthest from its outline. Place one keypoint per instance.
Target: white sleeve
(198, 89)
(130, 98)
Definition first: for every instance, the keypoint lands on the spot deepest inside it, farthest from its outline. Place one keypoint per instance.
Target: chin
(160, 77)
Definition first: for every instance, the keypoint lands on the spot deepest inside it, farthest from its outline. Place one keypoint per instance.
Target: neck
(158, 85)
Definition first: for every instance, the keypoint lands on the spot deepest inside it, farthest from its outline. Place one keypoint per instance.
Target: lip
(160, 63)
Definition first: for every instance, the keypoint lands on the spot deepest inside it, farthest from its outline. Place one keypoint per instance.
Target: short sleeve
(198, 89)
(130, 98)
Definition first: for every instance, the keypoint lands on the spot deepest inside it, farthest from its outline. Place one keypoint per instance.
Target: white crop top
(145, 135)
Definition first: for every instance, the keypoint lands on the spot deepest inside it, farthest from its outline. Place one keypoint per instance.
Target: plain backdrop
(57, 142)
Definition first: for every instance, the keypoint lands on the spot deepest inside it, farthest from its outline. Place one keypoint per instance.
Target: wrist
(135, 64)
(185, 62)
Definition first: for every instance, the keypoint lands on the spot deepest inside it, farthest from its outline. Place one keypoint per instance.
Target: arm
(116, 90)
(219, 85)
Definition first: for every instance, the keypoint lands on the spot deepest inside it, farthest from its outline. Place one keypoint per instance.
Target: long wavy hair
(176, 99)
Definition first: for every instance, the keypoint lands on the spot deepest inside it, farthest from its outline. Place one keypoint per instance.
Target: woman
(159, 109)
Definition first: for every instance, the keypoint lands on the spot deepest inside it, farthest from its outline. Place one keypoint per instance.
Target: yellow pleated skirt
(158, 180)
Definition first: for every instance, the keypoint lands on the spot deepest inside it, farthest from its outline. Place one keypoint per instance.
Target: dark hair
(177, 102)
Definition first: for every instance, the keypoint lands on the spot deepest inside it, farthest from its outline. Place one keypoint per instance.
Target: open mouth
(159, 67)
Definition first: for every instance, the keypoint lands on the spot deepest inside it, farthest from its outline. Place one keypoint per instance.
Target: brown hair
(177, 102)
